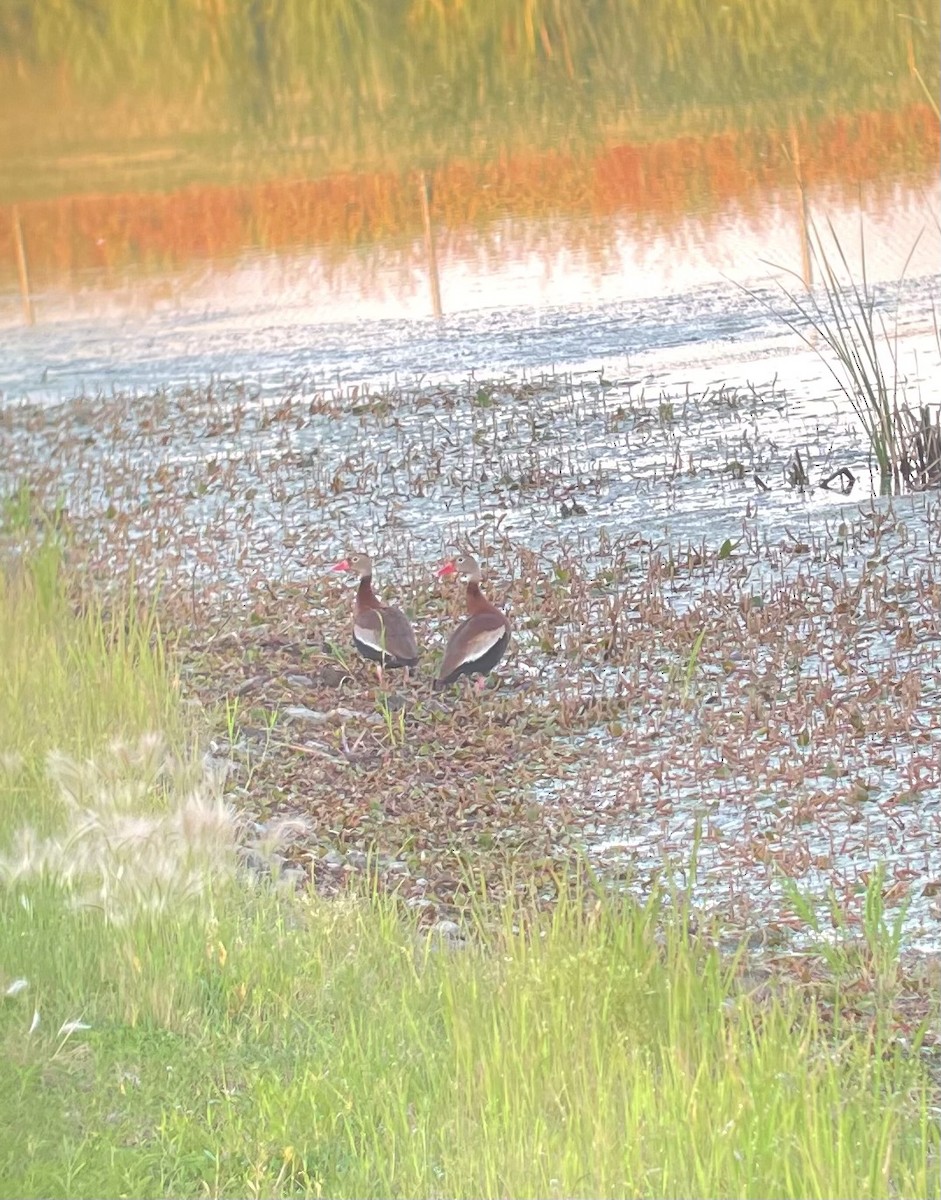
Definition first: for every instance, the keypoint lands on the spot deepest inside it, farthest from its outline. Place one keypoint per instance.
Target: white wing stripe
(478, 646)
(373, 638)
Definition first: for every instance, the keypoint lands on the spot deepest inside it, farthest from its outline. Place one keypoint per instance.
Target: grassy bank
(160, 96)
(232, 1041)
(251, 62)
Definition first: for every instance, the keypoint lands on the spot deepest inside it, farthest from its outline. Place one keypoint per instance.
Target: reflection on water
(264, 194)
(223, 491)
(525, 153)
(510, 264)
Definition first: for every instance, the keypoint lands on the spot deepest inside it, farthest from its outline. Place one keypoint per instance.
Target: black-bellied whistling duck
(381, 633)
(481, 639)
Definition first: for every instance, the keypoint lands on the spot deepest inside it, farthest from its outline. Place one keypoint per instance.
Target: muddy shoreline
(769, 696)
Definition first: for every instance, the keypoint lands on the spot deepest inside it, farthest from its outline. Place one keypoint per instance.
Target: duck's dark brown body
(480, 641)
(381, 633)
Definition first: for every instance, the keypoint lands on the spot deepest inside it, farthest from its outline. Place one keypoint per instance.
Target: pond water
(536, 279)
(318, 163)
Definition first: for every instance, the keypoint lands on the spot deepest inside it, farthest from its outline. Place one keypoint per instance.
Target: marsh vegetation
(246, 1038)
(654, 913)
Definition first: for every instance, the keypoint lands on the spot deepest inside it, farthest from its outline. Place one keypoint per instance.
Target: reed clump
(861, 354)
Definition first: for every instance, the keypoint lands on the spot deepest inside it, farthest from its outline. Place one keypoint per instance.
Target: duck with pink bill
(381, 633)
(481, 639)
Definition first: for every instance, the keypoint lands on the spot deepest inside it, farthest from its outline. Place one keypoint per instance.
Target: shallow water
(661, 444)
(234, 375)
(654, 416)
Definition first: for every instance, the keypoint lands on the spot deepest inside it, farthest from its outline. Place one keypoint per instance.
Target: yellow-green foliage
(333, 83)
(271, 1045)
(76, 671)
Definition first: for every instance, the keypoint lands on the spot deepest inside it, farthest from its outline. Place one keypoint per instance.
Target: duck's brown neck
(476, 601)
(365, 596)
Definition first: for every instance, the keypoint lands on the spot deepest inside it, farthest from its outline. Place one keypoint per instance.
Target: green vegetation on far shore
(241, 1040)
(200, 92)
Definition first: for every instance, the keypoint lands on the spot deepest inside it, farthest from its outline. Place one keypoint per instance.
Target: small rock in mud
(334, 677)
(298, 712)
(300, 681)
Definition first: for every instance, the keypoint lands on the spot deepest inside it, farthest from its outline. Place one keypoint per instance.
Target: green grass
(331, 86)
(259, 1044)
(77, 671)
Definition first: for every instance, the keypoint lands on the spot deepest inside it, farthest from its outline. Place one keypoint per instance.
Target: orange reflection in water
(523, 209)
